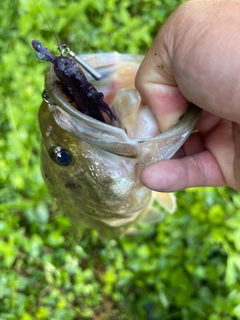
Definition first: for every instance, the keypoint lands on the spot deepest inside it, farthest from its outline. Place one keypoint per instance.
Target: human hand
(196, 57)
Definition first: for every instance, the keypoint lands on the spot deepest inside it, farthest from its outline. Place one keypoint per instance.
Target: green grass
(187, 267)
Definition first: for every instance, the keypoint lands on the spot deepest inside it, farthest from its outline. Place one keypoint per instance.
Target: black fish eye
(61, 156)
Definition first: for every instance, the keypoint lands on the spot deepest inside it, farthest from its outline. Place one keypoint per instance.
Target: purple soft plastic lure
(75, 84)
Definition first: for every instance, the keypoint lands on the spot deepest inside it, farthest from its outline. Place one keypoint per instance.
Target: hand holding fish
(195, 57)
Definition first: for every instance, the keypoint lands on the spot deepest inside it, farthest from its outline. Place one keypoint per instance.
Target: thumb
(156, 83)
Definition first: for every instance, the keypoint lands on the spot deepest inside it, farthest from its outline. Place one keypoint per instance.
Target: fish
(92, 167)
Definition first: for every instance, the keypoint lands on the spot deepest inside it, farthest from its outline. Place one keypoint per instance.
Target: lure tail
(42, 53)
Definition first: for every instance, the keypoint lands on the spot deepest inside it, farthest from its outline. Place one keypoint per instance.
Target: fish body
(92, 168)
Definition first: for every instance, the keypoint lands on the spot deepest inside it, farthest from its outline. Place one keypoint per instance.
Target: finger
(167, 103)
(176, 174)
(157, 85)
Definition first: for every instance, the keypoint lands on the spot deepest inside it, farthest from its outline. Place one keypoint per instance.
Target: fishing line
(64, 49)
(45, 20)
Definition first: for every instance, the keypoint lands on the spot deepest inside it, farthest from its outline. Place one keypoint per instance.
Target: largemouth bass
(92, 167)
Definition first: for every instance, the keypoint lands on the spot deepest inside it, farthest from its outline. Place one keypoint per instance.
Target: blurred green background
(187, 267)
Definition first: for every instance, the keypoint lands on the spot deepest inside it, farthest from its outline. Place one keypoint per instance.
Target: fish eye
(61, 156)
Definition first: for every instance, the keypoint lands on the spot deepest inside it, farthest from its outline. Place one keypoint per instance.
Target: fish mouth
(108, 137)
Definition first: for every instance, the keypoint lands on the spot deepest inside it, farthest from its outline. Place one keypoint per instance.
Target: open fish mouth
(111, 137)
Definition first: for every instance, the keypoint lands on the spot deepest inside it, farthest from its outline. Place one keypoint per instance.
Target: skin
(196, 57)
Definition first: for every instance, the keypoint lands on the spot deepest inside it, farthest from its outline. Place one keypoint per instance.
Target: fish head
(92, 168)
